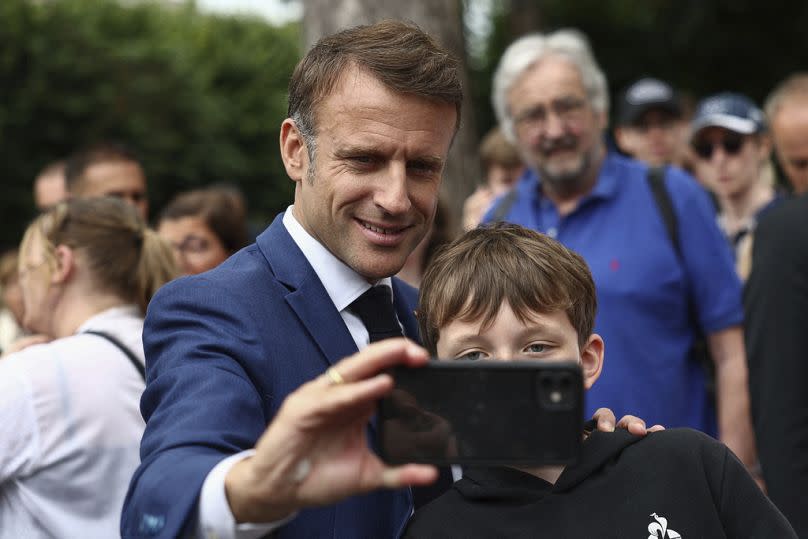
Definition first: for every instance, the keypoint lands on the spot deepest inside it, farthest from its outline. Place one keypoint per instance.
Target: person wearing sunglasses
(732, 151)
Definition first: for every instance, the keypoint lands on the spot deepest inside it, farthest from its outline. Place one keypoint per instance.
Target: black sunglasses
(732, 144)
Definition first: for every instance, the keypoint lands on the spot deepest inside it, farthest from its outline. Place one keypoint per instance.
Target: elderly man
(776, 301)
(657, 289)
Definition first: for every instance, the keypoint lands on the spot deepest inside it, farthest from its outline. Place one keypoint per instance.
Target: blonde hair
(124, 256)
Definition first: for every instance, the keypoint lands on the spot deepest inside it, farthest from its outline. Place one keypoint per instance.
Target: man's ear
(293, 150)
(592, 359)
(65, 264)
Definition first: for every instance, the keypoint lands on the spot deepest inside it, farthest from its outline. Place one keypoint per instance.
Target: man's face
(557, 130)
(120, 179)
(655, 139)
(546, 336)
(726, 162)
(790, 134)
(378, 164)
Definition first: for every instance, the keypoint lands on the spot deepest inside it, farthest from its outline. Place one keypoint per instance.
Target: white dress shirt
(70, 429)
(343, 286)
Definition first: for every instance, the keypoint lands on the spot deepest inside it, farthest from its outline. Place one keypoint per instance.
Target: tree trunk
(443, 20)
(524, 17)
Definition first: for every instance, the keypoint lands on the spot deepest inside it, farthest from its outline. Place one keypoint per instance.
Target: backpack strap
(700, 350)
(656, 181)
(504, 206)
(123, 348)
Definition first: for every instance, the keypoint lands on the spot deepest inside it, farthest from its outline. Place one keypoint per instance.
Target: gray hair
(525, 52)
(795, 85)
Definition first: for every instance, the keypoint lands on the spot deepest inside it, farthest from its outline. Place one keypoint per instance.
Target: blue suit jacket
(223, 350)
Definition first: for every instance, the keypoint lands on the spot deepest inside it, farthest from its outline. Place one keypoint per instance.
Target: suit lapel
(307, 296)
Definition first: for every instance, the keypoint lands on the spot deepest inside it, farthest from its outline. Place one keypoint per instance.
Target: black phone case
(484, 412)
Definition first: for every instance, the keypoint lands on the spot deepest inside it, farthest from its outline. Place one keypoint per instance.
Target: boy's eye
(536, 348)
(471, 356)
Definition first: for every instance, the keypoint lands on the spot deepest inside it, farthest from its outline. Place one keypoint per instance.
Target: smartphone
(483, 412)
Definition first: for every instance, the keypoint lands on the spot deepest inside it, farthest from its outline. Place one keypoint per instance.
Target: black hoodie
(678, 483)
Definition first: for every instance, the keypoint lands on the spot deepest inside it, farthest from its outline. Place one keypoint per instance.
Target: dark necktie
(375, 309)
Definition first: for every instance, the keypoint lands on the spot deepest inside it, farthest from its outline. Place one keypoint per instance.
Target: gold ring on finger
(334, 377)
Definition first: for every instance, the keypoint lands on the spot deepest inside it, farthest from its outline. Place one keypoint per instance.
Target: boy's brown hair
(474, 275)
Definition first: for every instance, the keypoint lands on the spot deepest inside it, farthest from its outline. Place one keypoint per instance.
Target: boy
(508, 292)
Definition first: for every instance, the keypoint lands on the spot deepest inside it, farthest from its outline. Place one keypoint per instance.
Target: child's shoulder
(684, 443)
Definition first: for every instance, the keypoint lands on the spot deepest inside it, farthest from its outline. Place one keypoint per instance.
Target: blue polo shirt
(643, 287)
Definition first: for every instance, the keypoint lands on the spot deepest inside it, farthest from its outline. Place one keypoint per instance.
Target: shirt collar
(111, 314)
(342, 283)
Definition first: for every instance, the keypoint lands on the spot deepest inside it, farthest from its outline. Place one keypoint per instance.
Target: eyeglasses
(567, 109)
(731, 144)
(192, 244)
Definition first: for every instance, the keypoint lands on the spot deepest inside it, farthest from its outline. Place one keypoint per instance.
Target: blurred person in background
(502, 166)
(551, 99)
(203, 227)
(11, 307)
(732, 151)
(441, 233)
(108, 169)
(650, 123)
(50, 186)
(787, 111)
(776, 302)
(70, 424)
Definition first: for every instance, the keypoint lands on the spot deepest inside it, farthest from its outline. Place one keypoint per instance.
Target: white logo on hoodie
(659, 529)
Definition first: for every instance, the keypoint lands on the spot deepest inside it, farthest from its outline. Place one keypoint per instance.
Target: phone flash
(556, 396)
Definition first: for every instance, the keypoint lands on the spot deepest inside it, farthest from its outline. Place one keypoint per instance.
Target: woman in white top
(70, 426)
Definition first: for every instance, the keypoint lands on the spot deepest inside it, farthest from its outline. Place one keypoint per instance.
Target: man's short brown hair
(102, 152)
(400, 55)
(475, 274)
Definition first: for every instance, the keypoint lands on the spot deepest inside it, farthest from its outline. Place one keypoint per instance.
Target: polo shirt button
(552, 232)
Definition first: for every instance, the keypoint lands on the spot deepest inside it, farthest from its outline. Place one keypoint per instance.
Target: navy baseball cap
(644, 95)
(731, 111)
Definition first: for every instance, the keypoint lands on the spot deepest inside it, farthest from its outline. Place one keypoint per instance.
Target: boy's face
(549, 337)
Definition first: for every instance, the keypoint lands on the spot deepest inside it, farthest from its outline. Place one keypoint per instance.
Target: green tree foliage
(199, 97)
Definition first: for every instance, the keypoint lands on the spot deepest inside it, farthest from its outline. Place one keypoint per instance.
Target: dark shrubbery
(199, 97)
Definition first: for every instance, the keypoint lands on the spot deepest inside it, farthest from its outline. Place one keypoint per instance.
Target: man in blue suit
(372, 113)
(255, 423)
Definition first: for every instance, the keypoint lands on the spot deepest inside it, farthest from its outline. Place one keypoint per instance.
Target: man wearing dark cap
(650, 125)
(731, 150)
